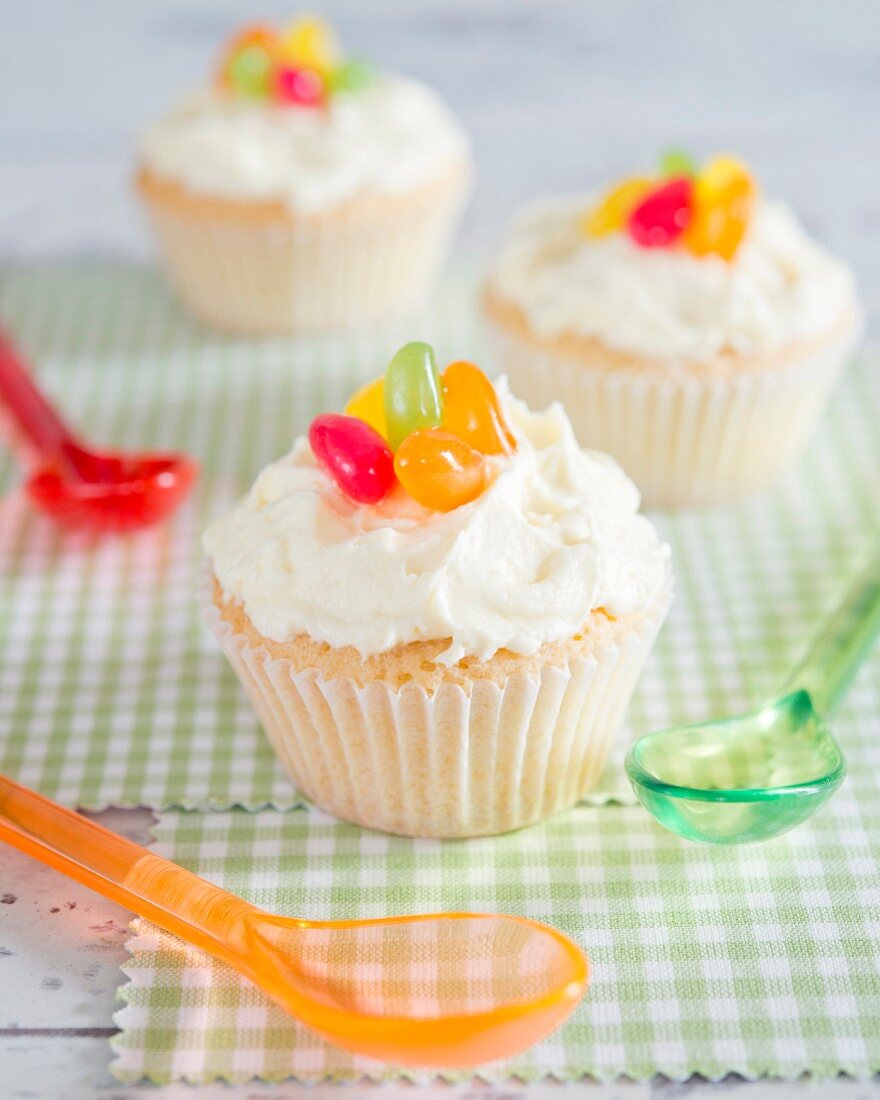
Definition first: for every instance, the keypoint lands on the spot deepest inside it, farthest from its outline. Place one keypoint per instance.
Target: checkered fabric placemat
(112, 693)
(111, 690)
(757, 960)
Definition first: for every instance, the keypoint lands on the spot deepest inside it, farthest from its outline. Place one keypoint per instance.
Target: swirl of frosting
(666, 303)
(392, 136)
(555, 537)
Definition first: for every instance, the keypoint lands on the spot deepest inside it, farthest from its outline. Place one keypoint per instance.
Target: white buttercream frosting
(389, 137)
(781, 286)
(556, 536)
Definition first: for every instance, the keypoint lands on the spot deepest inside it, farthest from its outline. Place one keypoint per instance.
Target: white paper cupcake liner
(449, 763)
(686, 438)
(312, 274)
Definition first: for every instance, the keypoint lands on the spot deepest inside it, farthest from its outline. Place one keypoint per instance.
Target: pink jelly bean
(663, 215)
(299, 87)
(354, 455)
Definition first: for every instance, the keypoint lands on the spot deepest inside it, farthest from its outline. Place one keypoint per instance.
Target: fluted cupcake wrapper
(309, 275)
(687, 438)
(447, 763)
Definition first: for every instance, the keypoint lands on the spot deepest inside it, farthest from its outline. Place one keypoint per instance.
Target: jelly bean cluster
(302, 66)
(433, 433)
(706, 210)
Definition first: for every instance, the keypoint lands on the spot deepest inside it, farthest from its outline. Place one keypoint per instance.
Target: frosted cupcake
(690, 326)
(303, 191)
(439, 604)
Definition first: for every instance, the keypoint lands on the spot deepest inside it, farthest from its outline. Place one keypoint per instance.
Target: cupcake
(302, 191)
(439, 604)
(690, 326)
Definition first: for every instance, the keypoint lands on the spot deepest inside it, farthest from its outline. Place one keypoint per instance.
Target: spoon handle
(843, 643)
(123, 871)
(32, 413)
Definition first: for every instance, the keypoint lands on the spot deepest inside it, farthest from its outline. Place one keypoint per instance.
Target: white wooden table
(557, 96)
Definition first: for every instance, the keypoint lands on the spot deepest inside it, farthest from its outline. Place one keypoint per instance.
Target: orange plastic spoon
(443, 990)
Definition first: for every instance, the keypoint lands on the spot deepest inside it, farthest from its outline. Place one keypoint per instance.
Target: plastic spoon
(445, 990)
(79, 487)
(759, 774)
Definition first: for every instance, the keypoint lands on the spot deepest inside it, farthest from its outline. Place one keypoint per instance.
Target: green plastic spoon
(747, 778)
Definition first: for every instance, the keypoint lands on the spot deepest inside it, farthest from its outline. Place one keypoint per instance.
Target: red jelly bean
(663, 215)
(354, 455)
(298, 87)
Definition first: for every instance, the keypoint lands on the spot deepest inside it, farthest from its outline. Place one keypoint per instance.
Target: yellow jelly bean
(615, 207)
(724, 200)
(310, 43)
(368, 404)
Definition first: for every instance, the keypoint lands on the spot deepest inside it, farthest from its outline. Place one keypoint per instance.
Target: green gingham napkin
(758, 960)
(761, 960)
(111, 690)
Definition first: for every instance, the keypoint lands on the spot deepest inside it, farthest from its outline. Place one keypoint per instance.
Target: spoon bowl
(740, 779)
(444, 990)
(112, 492)
(755, 776)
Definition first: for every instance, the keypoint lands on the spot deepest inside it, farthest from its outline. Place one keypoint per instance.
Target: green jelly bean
(352, 76)
(250, 70)
(676, 162)
(413, 392)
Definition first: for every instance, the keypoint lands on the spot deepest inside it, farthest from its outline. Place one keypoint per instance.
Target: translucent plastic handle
(843, 643)
(123, 871)
(33, 415)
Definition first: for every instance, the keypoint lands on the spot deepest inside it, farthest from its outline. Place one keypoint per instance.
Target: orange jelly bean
(724, 200)
(439, 470)
(472, 412)
(368, 404)
(613, 211)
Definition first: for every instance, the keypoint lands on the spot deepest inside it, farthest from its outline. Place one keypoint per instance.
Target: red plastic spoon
(106, 490)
